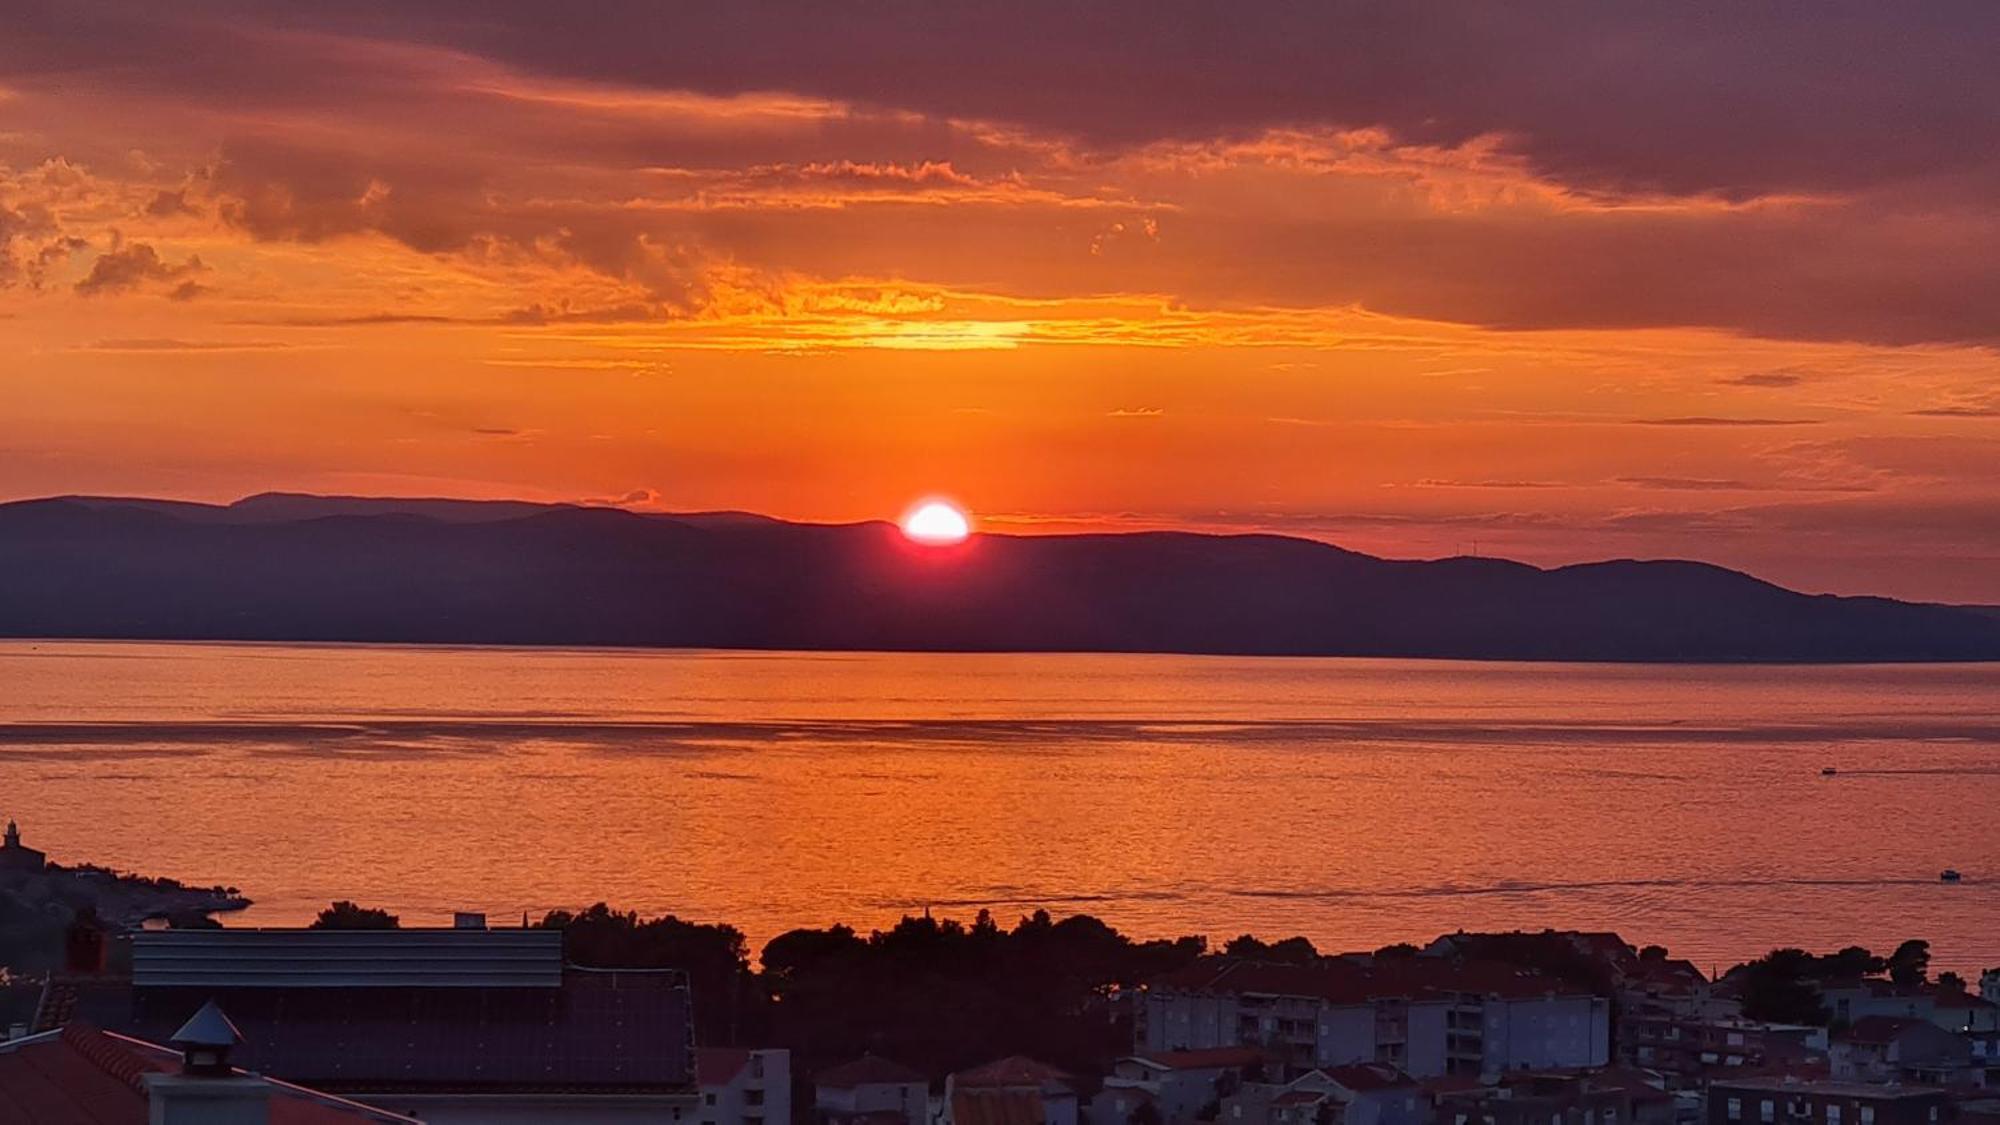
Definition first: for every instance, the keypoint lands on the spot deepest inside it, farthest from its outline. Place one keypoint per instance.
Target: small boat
(1827, 771)
(1949, 875)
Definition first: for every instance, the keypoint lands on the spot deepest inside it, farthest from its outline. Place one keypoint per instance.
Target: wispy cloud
(1764, 379)
(1705, 420)
(1437, 483)
(164, 345)
(1691, 484)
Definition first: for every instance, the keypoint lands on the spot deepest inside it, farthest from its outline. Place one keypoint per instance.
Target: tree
(1296, 950)
(344, 915)
(1910, 965)
(1780, 987)
(1045, 987)
(715, 958)
(1949, 981)
(1853, 961)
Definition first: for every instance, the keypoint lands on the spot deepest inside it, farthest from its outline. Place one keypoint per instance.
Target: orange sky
(725, 269)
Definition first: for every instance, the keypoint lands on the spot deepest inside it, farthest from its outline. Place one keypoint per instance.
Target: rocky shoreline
(37, 906)
(120, 898)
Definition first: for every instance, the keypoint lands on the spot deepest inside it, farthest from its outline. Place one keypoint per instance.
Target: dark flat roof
(598, 1032)
(428, 958)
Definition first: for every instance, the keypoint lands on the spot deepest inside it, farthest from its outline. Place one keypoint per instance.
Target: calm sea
(1357, 802)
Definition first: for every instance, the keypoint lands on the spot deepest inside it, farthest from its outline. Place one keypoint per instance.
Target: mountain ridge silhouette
(297, 567)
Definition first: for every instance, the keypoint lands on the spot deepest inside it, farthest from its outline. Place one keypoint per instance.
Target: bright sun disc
(936, 523)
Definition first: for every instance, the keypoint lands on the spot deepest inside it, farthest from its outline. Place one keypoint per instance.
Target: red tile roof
(1677, 975)
(719, 1066)
(1347, 983)
(1008, 1073)
(1639, 1084)
(1602, 944)
(871, 1117)
(1449, 1085)
(1948, 998)
(868, 1070)
(1363, 1077)
(83, 1076)
(997, 1107)
(1210, 1058)
(1879, 1031)
(1298, 1097)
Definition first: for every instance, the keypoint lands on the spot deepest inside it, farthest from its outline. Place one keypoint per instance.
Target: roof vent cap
(205, 1041)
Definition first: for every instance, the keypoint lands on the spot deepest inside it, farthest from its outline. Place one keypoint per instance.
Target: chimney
(207, 1091)
(83, 943)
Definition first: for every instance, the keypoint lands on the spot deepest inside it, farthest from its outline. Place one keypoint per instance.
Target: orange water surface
(1355, 801)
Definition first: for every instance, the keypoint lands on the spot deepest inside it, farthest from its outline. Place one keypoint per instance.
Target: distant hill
(288, 567)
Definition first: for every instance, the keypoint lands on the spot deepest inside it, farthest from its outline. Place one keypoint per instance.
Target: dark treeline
(943, 995)
(938, 994)
(1783, 986)
(344, 915)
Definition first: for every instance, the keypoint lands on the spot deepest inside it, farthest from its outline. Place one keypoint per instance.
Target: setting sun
(936, 523)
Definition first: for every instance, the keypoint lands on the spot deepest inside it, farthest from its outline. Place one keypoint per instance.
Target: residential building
(463, 1025)
(1770, 1101)
(871, 1090)
(80, 1075)
(1123, 1104)
(744, 1087)
(1623, 967)
(1608, 1096)
(1353, 1094)
(1855, 1000)
(1986, 1053)
(1688, 1051)
(1181, 1085)
(1956, 1009)
(1424, 1015)
(1978, 1110)
(1953, 1008)
(1893, 1049)
(1011, 1091)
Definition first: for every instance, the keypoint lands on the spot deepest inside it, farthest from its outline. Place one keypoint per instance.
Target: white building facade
(1428, 1023)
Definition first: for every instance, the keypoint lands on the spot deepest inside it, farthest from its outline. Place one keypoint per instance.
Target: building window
(1934, 1113)
(1768, 1111)
(1832, 1115)
(753, 1097)
(708, 1099)
(1735, 1109)
(1867, 1115)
